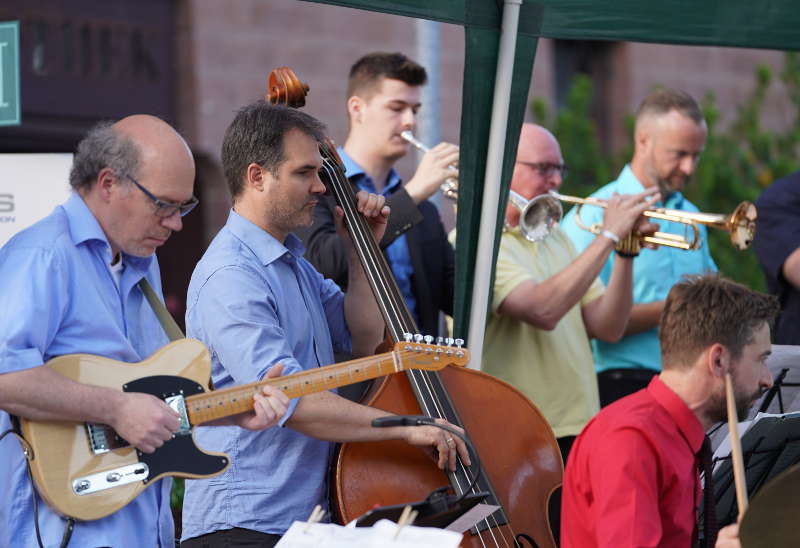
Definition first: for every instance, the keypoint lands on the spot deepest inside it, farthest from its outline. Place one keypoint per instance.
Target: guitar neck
(219, 404)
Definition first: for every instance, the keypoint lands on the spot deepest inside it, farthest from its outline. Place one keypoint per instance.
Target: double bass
(520, 458)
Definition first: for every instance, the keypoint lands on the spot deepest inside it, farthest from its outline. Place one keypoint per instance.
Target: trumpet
(540, 215)
(450, 187)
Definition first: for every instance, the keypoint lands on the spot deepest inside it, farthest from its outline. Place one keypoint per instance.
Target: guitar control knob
(113, 477)
(82, 485)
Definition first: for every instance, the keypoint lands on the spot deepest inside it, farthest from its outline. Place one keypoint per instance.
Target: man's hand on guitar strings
(144, 421)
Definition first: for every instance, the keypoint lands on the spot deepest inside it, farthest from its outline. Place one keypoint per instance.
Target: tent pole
(494, 171)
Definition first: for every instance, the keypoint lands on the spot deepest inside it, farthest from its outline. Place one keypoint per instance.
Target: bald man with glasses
(70, 285)
(547, 300)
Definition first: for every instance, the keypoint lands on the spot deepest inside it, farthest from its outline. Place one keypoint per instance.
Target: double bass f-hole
(521, 462)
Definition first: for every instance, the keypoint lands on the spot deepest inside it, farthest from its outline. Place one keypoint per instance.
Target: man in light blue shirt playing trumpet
(669, 137)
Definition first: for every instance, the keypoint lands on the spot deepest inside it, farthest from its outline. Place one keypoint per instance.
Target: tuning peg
(418, 338)
(428, 339)
(449, 341)
(459, 342)
(407, 337)
(440, 341)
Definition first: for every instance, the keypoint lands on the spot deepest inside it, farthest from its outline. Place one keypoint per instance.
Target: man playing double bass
(256, 302)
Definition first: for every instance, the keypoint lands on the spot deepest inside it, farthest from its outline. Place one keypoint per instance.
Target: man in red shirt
(632, 477)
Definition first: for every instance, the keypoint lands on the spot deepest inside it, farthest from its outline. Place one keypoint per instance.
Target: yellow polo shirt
(553, 368)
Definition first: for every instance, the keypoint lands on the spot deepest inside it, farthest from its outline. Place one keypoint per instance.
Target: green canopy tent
(770, 24)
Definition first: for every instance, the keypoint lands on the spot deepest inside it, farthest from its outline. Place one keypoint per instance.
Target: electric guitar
(87, 471)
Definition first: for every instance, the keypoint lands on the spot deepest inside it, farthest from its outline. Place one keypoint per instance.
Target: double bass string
(370, 254)
(396, 315)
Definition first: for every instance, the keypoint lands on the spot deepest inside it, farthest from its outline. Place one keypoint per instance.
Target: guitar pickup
(178, 404)
(110, 478)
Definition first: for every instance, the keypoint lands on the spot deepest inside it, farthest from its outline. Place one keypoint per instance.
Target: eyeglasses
(166, 209)
(546, 169)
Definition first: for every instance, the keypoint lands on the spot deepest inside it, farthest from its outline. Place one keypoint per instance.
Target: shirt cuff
(12, 360)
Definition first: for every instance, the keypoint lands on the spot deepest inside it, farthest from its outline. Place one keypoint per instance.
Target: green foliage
(176, 495)
(739, 161)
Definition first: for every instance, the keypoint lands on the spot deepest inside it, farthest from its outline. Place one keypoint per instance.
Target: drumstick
(736, 448)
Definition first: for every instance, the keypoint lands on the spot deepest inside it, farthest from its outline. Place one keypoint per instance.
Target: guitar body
(62, 451)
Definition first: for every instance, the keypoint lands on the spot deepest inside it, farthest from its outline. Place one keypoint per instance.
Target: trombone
(539, 215)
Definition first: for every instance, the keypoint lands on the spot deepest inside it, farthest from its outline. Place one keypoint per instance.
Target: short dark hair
(704, 310)
(662, 100)
(367, 72)
(103, 147)
(256, 136)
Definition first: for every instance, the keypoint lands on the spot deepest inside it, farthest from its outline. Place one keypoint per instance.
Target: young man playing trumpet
(547, 300)
(383, 98)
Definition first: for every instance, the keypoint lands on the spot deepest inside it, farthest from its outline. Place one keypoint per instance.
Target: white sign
(31, 185)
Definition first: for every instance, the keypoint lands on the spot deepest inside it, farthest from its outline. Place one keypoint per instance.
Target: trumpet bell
(743, 225)
(540, 217)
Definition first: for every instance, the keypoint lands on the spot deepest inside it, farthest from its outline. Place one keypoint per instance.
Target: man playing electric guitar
(69, 286)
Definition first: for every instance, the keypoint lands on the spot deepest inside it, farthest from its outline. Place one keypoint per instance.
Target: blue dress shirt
(655, 271)
(256, 302)
(58, 297)
(396, 252)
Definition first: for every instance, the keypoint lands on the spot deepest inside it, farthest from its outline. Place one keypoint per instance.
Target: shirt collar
(687, 423)
(628, 183)
(263, 244)
(84, 227)
(356, 173)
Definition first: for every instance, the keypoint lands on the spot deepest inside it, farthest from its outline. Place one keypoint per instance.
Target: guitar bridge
(103, 438)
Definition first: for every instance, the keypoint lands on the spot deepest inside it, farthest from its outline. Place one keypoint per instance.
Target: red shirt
(632, 476)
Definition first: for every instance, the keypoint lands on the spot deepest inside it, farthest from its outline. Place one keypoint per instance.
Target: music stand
(438, 510)
(770, 446)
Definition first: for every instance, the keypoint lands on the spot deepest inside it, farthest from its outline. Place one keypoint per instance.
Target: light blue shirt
(58, 297)
(256, 302)
(396, 252)
(655, 271)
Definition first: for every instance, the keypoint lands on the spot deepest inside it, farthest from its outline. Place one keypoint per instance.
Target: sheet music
(724, 449)
(382, 534)
(472, 517)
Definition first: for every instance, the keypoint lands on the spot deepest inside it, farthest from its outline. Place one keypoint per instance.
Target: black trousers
(554, 508)
(232, 538)
(618, 383)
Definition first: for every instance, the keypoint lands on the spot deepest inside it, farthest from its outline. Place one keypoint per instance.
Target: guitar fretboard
(219, 404)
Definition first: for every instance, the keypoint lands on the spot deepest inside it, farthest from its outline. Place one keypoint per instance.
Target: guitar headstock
(418, 352)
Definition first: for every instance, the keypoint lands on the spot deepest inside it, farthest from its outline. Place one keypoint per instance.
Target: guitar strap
(164, 317)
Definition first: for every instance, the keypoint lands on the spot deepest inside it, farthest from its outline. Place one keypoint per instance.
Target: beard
(718, 408)
(668, 188)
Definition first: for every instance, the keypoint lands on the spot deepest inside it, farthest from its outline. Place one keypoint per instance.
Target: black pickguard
(180, 454)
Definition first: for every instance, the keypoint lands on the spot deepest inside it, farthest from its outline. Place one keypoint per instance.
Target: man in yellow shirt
(547, 300)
